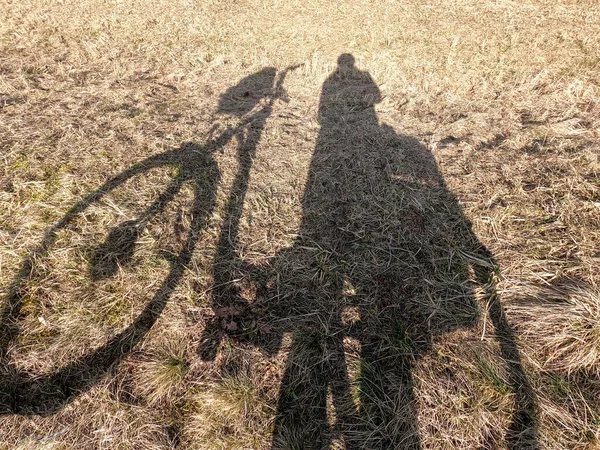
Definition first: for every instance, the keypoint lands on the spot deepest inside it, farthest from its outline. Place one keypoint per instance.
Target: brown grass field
(272, 224)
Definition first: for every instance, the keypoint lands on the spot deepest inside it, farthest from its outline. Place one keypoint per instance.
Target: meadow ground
(214, 237)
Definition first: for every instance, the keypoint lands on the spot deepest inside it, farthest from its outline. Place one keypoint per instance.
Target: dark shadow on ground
(384, 255)
(24, 393)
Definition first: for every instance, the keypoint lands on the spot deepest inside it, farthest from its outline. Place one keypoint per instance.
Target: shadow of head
(346, 60)
(346, 68)
(116, 251)
(244, 96)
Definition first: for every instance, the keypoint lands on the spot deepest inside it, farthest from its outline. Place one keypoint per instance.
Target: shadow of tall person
(384, 263)
(25, 393)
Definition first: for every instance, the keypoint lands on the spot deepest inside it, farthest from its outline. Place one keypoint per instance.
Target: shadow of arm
(522, 431)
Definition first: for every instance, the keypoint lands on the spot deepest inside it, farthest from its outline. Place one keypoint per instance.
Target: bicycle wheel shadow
(385, 263)
(28, 394)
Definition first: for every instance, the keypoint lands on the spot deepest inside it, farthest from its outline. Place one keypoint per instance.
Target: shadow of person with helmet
(385, 263)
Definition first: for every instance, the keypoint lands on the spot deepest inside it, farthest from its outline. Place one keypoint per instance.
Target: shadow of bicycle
(25, 393)
(384, 258)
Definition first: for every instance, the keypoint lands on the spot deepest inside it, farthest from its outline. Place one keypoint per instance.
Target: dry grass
(378, 334)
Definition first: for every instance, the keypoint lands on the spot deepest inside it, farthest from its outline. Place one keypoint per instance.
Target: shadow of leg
(301, 417)
(348, 424)
(388, 404)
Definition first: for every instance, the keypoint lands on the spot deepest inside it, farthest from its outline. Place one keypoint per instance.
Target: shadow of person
(384, 263)
(25, 393)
